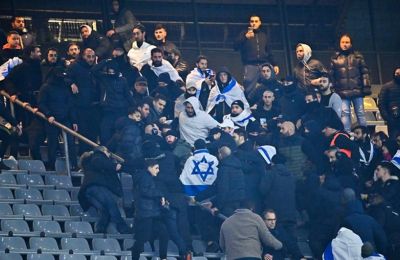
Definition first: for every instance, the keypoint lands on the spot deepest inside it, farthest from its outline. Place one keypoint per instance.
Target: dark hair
(142, 103)
(11, 33)
(150, 162)
(268, 211)
(388, 166)
(241, 132)
(15, 17)
(28, 50)
(160, 26)
(159, 96)
(156, 50)
(363, 129)
(132, 110)
(201, 57)
(51, 49)
(140, 27)
(255, 15)
(346, 35)
(381, 136)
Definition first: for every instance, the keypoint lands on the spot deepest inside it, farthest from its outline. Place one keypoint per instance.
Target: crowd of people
(270, 155)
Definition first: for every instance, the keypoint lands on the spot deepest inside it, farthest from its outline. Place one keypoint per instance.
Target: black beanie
(200, 144)
(238, 103)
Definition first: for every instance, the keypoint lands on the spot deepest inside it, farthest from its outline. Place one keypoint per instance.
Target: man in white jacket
(140, 53)
(193, 123)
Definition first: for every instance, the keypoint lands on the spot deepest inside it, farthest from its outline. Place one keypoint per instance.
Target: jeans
(104, 201)
(170, 220)
(251, 75)
(358, 104)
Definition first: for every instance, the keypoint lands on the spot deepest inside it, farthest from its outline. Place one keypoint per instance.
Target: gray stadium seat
(78, 227)
(60, 181)
(128, 243)
(28, 194)
(44, 243)
(75, 244)
(31, 165)
(198, 246)
(10, 256)
(12, 163)
(39, 257)
(108, 244)
(30, 179)
(57, 195)
(15, 225)
(47, 226)
(102, 257)
(55, 210)
(199, 258)
(5, 210)
(27, 210)
(76, 210)
(72, 257)
(12, 243)
(7, 178)
(6, 194)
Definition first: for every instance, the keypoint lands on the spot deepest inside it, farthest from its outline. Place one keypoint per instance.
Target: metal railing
(65, 130)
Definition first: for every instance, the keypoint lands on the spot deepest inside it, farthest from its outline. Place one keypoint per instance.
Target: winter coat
(130, 140)
(289, 245)
(147, 195)
(278, 187)
(254, 51)
(80, 74)
(350, 74)
(389, 101)
(99, 170)
(290, 147)
(365, 226)
(230, 182)
(123, 25)
(55, 99)
(292, 104)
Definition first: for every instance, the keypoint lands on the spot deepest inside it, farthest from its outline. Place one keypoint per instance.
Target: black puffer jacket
(254, 50)
(389, 99)
(130, 140)
(147, 196)
(100, 171)
(350, 74)
(304, 74)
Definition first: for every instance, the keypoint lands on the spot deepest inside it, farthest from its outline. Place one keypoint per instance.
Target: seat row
(15, 178)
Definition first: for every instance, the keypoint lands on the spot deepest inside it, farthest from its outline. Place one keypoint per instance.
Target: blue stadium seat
(43, 243)
(29, 211)
(30, 179)
(78, 227)
(102, 257)
(28, 194)
(10, 256)
(5, 210)
(6, 194)
(75, 244)
(107, 244)
(31, 165)
(60, 181)
(56, 195)
(55, 210)
(47, 226)
(12, 243)
(72, 257)
(7, 179)
(39, 257)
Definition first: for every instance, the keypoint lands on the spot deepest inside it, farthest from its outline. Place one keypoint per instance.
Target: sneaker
(3, 166)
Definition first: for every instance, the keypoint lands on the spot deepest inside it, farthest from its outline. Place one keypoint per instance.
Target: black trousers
(88, 124)
(145, 228)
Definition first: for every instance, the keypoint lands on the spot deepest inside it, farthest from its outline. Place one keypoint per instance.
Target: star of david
(203, 168)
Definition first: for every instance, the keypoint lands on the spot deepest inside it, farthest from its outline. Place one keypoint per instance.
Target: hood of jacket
(195, 103)
(226, 70)
(307, 52)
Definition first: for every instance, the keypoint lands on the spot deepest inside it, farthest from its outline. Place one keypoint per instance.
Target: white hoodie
(346, 245)
(140, 56)
(198, 126)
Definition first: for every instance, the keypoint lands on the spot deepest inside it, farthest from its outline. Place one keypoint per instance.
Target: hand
(13, 98)
(51, 119)
(74, 88)
(192, 200)
(110, 33)
(207, 204)
(322, 179)
(298, 124)
(35, 110)
(250, 34)
(315, 82)
(254, 107)
(163, 201)
(303, 258)
(369, 184)
(118, 167)
(268, 257)
(276, 69)
(162, 120)
(75, 127)
(209, 81)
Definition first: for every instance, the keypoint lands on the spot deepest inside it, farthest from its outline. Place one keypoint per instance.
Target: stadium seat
(30, 179)
(5, 210)
(72, 257)
(102, 257)
(12, 243)
(198, 246)
(27, 210)
(78, 227)
(75, 244)
(6, 194)
(15, 225)
(60, 181)
(39, 257)
(11, 163)
(47, 226)
(31, 165)
(10, 256)
(108, 244)
(56, 195)
(7, 179)
(28, 194)
(43, 243)
(55, 210)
